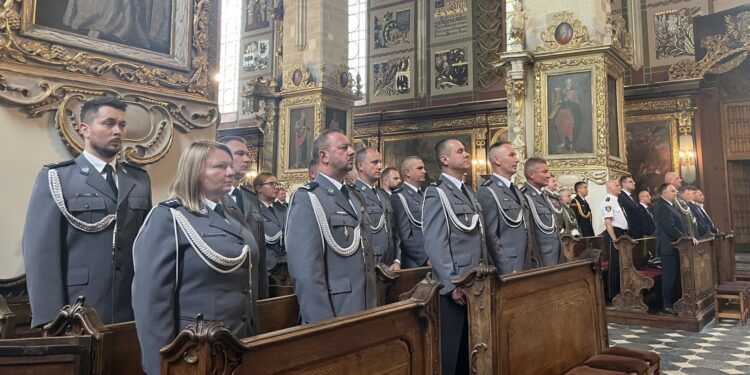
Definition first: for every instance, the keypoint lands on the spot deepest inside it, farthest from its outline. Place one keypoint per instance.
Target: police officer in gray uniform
(453, 239)
(407, 212)
(194, 255)
(246, 202)
(369, 166)
(506, 214)
(542, 212)
(333, 273)
(81, 222)
(274, 218)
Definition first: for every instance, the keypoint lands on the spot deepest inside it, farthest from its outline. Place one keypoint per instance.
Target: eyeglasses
(273, 184)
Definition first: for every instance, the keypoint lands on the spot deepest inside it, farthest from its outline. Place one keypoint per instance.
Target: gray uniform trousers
(507, 241)
(63, 262)
(173, 284)
(452, 253)
(383, 240)
(411, 241)
(328, 284)
(549, 244)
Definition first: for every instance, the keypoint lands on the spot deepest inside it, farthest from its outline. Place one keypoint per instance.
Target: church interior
(646, 91)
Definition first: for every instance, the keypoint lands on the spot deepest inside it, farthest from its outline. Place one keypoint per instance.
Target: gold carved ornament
(298, 78)
(724, 52)
(62, 100)
(89, 63)
(565, 20)
(666, 104)
(297, 175)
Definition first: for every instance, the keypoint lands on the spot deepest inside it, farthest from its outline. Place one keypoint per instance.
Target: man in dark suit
(328, 241)
(407, 212)
(702, 223)
(369, 165)
(699, 199)
(506, 214)
(83, 217)
(630, 206)
(542, 212)
(645, 209)
(246, 202)
(670, 229)
(582, 209)
(454, 242)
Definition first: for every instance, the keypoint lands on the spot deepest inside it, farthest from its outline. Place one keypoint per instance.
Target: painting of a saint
(144, 24)
(569, 117)
(256, 17)
(335, 119)
(422, 145)
(300, 137)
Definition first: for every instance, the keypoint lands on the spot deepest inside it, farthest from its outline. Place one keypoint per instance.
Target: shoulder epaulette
(60, 164)
(171, 203)
(310, 186)
(131, 165)
(436, 183)
(398, 189)
(487, 183)
(523, 189)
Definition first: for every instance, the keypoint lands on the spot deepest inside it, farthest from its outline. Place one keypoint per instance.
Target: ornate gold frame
(61, 99)
(673, 121)
(477, 141)
(579, 39)
(340, 104)
(187, 71)
(287, 105)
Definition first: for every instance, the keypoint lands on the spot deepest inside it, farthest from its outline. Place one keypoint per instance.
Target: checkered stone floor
(722, 348)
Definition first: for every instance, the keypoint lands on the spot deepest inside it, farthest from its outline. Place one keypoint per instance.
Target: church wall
(172, 102)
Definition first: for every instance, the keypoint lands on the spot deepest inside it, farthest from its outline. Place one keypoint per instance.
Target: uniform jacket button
(85, 206)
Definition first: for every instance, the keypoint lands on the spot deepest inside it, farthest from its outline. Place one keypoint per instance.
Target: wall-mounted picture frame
(257, 16)
(651, 142)
(569, 113)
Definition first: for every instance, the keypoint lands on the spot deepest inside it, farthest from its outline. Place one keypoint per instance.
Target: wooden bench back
(399, 338)
(698, 278)
(724, 261)
(68, 355)
(17, 299)
(573, 247)
(542, 321)
(634, 255)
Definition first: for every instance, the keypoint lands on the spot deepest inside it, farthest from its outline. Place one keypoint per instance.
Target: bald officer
(328, 240)
(505, 213)
(616, 225)
(407, 211)
(453, 240)
(369, 166)
(82, 220)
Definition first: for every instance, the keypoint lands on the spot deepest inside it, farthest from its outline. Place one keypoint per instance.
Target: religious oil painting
(256, 16)
(651, 144)
(255, 55)
(396, 149)
(145, 24)
(451, 69)
(392, 29)
(336, 119)
(569, 114)
(302, 126)
(612, 115)
(391, 77)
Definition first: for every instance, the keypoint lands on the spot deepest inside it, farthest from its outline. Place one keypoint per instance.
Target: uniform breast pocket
(542, 209)
(88, 209)
(342, 227)
(140, 206)
(340, 285)
(463, 212)
(511, 208)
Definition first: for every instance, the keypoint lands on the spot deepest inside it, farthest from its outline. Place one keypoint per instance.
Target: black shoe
(668, 311)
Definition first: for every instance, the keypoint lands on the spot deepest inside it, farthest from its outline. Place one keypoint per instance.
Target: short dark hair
(359, 157)
(387, 171)
(579, 184)
(691, 188)
(441, 148)
(663, 187)
(228, 138)
(92, 106)
(531, 163)
(321, 143)
(624, 177)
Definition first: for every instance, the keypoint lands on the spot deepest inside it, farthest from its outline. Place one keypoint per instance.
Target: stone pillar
(316, 89)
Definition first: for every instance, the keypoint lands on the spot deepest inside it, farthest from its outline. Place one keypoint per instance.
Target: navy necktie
(238, 198)
(220, 210)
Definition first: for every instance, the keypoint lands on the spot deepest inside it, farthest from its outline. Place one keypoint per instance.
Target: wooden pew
(69, 355)
(392, 284)
(573, 247)
(7, 320)
(636, 276)
(697, 278)
(17, 298)
(281, 283)
(401, 337)
(543, 321)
